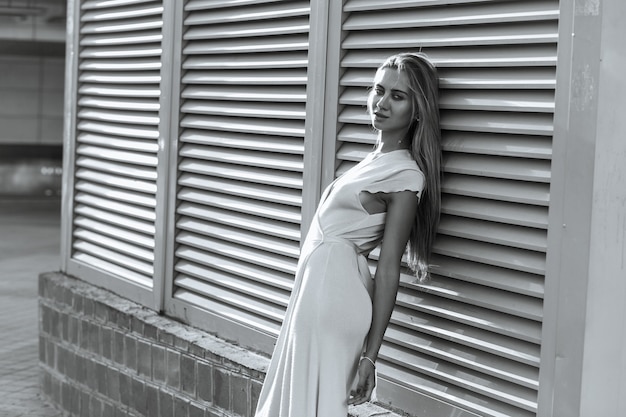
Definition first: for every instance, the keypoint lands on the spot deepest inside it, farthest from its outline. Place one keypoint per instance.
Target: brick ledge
(106, 305)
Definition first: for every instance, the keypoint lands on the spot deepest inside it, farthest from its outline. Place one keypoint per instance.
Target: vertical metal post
(69, 129)
(168, 112)
(582, 360)
(170, 134)
(321, 105)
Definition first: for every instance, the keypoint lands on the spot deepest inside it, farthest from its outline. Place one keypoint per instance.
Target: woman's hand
(366, 384)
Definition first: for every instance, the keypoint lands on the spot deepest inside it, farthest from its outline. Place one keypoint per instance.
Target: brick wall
(101, 355)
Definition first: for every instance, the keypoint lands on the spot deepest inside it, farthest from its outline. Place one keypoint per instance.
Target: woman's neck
(384, 145)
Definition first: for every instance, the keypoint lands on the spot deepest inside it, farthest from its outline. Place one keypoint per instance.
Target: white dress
(322, 338)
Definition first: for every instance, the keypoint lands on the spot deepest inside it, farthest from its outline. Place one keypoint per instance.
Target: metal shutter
(116, 132)
(470, 338)
(240, 167)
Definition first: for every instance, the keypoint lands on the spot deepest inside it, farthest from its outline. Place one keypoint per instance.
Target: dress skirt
(316, 357)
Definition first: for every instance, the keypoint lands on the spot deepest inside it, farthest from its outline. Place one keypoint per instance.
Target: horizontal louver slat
(491, 254)
(472, 381)
(466, 335)
(252, 174)
(116, 206)
(266, 226)
(121, 260)
(244, 125)
(242, 205)
(115, 91)
(236, 188)
(215, 231)
(129, 250)
(275, 144)
(115, 181)
(533, 147)
(495, 211)
(116, 268)
(497, 189)
(538, 78)
(196, 260)
(475, 403)
(241, 316)
(231, 296)
(456, 11)
(496, 233)
(241, 158)
(235, 283)
(102, 216)
(235, 251)
(466, 357)
(483, 296)
(489, 275)
(257, 77)
(121, 104)
(139, 132)
(542, 55)
(256, 93)
(492, 321)
(295, 60)
(445, 385)
(229, 108)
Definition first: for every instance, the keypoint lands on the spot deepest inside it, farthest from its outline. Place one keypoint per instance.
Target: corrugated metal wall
(466, 342)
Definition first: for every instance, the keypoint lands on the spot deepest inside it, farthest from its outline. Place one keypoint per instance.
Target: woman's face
(389, 102)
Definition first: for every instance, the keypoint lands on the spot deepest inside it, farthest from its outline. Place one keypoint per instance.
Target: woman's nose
(382, 102)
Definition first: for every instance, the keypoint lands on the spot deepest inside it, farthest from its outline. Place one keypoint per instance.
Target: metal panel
(240, 162)
(115, 148)
(470, 337)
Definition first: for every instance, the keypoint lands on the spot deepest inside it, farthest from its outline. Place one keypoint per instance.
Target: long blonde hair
(425, 136)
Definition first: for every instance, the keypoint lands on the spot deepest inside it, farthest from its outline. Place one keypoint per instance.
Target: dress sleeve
(402, 180)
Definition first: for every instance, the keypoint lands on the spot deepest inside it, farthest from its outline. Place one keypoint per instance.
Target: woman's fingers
(357, 399)
(358, 395)
(364, 390)
(367, 395)
(355, 396)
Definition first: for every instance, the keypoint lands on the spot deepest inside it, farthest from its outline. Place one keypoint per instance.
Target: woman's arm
(401, 210)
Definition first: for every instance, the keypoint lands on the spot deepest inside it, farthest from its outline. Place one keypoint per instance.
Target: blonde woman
(325, 356)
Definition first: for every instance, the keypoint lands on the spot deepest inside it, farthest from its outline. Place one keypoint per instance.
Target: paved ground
(29, 245)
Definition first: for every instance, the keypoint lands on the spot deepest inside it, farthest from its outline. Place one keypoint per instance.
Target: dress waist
(336, 239)
(316, 236)
(364, 270)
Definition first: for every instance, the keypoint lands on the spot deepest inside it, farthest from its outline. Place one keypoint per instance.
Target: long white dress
(322, 338)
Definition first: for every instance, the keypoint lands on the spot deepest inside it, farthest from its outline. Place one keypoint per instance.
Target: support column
(583, 369)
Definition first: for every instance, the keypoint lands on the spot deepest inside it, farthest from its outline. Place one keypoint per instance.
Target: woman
(338, 314)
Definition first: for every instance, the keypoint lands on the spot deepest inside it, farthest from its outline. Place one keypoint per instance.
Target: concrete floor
(29, 245)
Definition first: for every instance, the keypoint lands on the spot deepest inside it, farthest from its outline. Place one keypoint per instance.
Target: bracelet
(371, 361)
